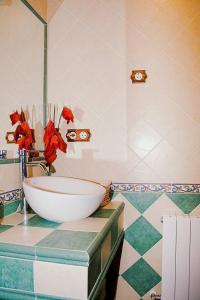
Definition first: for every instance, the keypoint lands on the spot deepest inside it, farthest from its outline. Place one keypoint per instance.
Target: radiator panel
(194, 290)
(169, 258)
(181, 258)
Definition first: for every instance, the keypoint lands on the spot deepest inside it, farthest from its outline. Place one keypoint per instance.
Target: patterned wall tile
(142, 201)
(143, 239)
(141, 277)
(186, 202)
(141, 235)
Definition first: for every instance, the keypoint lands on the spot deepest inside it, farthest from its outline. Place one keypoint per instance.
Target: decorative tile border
(10, 195)
(155, 187)
(185, 188)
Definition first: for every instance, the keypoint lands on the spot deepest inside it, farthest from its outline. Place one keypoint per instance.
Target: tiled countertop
(26, 248)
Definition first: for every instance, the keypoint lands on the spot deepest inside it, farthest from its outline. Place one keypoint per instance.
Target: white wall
(140, 133)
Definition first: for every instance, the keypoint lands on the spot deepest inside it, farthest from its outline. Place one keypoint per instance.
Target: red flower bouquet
(23, 134)
(52, 137)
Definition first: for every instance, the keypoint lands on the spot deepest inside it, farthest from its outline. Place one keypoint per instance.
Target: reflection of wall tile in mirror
(9, 177)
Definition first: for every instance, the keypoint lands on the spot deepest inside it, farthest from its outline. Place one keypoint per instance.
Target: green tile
(11, 207)
(114, 232)
(186, 202)
(103, 213)
(17, 251)
(9, 161)
(37, 221)
(16, 274)
(47, 297)
(94, 270)
(142, 201)
(9, 294)
(141, 277)
(67, 239)
(4, 227)
(141, 235)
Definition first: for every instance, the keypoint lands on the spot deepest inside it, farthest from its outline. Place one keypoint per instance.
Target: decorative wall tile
(11, 195)
(143, 239)
(141, 187)
(185, 188)
(141, 277)
(141, 235)
(185, 201)
(142, 201)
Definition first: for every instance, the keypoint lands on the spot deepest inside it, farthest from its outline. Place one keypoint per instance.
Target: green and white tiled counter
(47, 260)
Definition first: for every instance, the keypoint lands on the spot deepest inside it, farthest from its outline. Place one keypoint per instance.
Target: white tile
(24, 235)
(60, 280)
(87, 224)
(125, 291)
(129, 257)
(14, 219)
(154, 257)
(156, 289)
(158, 209)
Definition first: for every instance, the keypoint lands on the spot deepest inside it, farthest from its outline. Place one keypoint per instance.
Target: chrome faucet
(24, 164)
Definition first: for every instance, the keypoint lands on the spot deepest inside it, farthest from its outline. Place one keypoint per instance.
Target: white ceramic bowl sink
(62, 199)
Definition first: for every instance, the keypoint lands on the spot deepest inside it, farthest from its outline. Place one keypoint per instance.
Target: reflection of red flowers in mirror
(67, 114)
(15, 117)
(23, 135)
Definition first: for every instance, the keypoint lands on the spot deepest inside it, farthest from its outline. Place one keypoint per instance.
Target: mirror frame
(27, 4)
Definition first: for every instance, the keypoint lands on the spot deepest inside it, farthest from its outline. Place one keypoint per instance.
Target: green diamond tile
(141, 277)
(186, 202)
(141, 235)
(5, 227)
(141, 201)
(36, 221)
(67, 239)
(102, 213)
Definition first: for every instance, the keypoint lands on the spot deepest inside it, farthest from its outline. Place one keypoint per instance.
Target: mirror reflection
(21, 69)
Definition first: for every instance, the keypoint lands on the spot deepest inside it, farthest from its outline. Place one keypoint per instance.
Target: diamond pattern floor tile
(142, 236)
(186, 202)
(142, 201)
(141, 277)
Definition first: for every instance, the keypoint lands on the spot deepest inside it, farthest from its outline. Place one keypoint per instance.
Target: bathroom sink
(61, 199)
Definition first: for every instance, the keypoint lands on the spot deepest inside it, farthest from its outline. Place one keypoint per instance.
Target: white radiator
(181, 258)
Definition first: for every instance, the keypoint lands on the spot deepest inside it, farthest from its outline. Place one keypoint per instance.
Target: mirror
(21, 69)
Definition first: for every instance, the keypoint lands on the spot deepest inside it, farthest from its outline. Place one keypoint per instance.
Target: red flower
(15, 117)
(24, 136)
(67, 114)
(53, 141)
